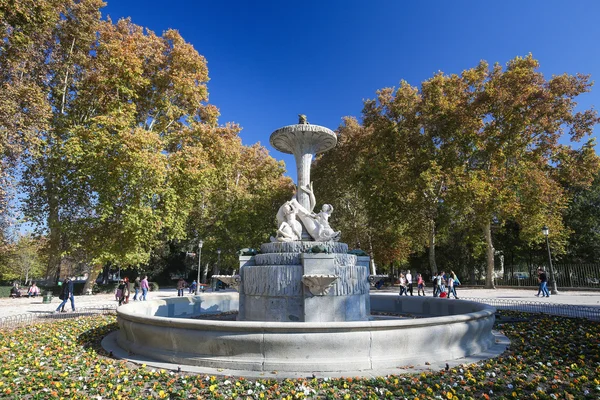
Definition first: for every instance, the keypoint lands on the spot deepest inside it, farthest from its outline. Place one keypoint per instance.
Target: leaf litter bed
(549, 358)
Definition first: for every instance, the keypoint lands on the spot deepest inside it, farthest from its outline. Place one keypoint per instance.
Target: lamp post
(554, 289)
(215, 281)
(218, 261)
(200, 243)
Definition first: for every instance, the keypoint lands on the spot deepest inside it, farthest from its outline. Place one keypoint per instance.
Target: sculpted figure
(317, 225)
(289, 228)
(302, 119)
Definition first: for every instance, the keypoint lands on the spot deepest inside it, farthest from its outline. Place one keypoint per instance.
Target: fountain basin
(162, 330)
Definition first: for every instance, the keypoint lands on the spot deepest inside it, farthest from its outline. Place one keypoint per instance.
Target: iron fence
(14, 321)
(586, 276)
(564, 310)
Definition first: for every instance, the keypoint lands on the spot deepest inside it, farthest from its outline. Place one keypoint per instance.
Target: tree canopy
(119, 148)
(474, 150)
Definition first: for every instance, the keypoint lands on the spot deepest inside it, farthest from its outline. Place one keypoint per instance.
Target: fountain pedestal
(285, 283)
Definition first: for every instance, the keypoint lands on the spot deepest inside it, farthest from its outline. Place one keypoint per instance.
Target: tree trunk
(373, 267)
(489, 276)
(432, 264)
(205, 274)
(92, 274)
(54, 244)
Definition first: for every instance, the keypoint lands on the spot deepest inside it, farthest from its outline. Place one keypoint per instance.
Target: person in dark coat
(66, 294)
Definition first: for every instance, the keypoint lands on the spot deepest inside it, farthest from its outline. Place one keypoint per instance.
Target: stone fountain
(305, 274)
(303, 304)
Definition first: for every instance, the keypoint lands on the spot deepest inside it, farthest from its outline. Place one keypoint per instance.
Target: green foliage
(5, 291)
(24, 260)
(128, 154)
(153, 286)
(468, 152)
(104, 288)
(583, 219)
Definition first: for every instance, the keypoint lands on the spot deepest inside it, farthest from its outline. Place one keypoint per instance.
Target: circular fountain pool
(164, 330)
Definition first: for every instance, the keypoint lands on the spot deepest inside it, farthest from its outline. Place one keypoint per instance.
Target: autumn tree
(130, 148)
(233, 203)
(25, 261)
(475, 150)
(582, 217)
(514, 165)
(341, 179)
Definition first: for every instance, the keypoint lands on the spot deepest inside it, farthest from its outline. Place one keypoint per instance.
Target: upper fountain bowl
(291, 137)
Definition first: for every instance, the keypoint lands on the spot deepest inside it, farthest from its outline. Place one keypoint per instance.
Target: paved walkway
(581, 298)
(10, 307)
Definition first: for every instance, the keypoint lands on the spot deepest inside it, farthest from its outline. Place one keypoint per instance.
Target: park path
(9, 307)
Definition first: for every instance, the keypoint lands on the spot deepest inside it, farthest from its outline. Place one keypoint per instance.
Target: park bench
(22, 294)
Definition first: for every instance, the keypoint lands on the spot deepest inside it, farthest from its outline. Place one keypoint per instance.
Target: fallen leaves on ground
(549, 358)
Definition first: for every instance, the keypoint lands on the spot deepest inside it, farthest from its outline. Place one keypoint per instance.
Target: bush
(5, 291)
(153, 286)
(56, 290)
(105, 288)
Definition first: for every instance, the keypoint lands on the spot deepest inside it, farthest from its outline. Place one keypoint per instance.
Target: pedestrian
(145, 287)
(402, 285)
(442, 282)
(409, 283)
(180, 286)
(65, 295)
(127, 289)
(136, 288)
(193, 287)
(543, 283)
(122, 290)
(420, 285)
(437, 284)
(451, 289)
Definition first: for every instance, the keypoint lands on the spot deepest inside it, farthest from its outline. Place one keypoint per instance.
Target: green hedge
(5, 291)
(105, 288)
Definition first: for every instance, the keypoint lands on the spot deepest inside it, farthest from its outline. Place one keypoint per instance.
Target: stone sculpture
(302, 119)
(317, 225)
(304, 141)
(289, 228)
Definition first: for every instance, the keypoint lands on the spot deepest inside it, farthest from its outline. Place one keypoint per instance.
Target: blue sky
(271, 60)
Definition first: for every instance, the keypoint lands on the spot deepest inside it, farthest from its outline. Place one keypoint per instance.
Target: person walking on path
(180, 286)
(451, 289)
(122, 290)
(145, 287)
(403, 285)
(543, 283)
(65, 295)
(127, 289)
(409, 283)
(420, 285)
(136, 288)
(437, 284)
